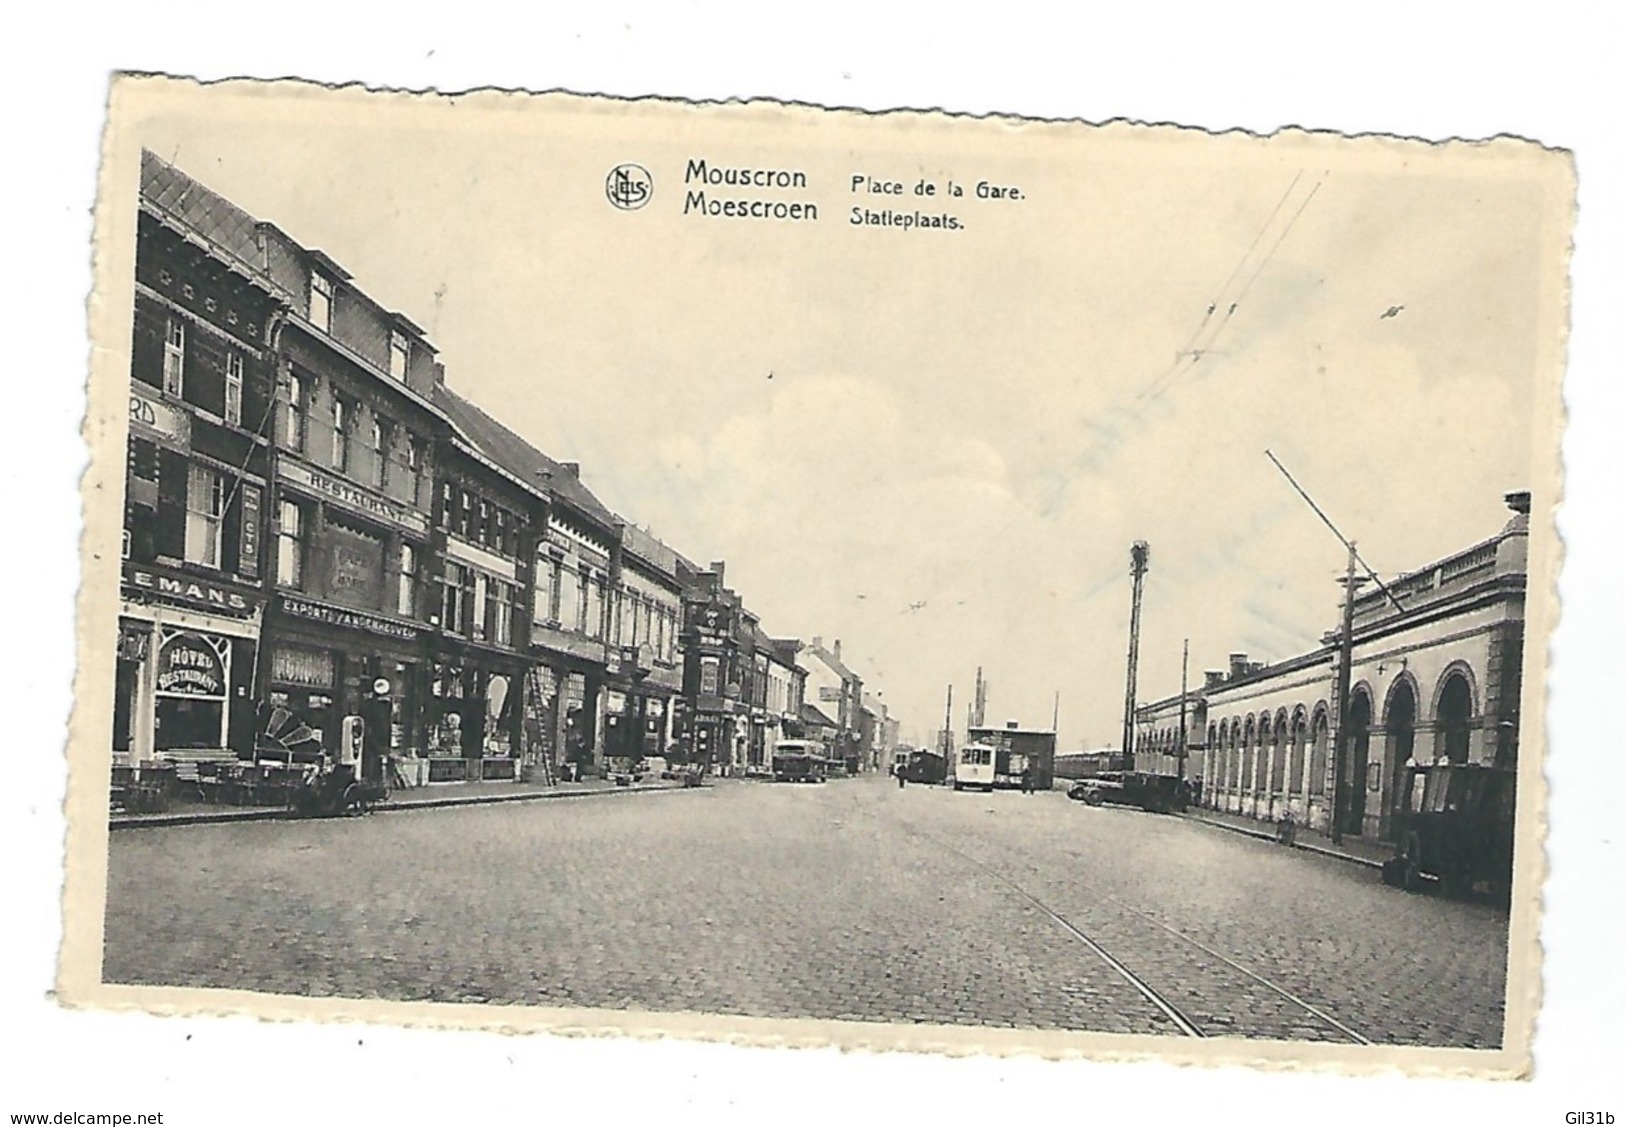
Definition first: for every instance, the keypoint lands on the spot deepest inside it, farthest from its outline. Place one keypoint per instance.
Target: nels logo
(629, 186)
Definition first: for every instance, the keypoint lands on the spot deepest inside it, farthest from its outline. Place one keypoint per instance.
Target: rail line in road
(1187, 1025)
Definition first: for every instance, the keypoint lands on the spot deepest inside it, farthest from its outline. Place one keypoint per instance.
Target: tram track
(1179, 1015)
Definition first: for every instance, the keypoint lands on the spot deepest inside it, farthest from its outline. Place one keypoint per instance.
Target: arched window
(1455, 717)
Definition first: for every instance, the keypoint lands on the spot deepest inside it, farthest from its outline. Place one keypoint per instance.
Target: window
(406, 589)
(547, 595)
(481, 610)
(499, 533)
(499, 613)
(381, 431)
(453, 586)
(174, 356)
(448, 505)
(321, 302)
(397, 356)
(341, 433)
(708, 676)
(414, 466)
(483, 532)
(290, 545)
(591, 615)
(234, 388)
(297, 393)
(465, 516)
(205, 505)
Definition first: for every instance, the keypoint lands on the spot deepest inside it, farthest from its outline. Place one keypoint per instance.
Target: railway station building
(1436, 673)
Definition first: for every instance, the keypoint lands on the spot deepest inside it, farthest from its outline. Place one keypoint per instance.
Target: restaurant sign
(188, 590)
(350, 619)
(189, 666)
(351, 496)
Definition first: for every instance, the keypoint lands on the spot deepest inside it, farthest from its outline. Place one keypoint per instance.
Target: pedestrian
(1026, 780)
(902, 779)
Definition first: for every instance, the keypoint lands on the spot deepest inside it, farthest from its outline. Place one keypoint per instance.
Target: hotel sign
(188, 590)
(349, 619)
(352, 497)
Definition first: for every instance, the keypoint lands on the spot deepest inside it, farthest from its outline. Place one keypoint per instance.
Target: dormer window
(321, 302)
(397, 356)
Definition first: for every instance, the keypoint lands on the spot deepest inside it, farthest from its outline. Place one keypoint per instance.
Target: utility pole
(1184, 675)
(1139, 562)
(948, 727)
(1345, 674)
(1055, 717)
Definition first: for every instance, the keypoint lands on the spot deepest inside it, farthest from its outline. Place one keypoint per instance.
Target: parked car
(1160, 794)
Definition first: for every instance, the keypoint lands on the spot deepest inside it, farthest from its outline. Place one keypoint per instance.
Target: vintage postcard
(812, 577)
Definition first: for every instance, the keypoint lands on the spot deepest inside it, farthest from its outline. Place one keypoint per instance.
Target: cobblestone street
(851, 900)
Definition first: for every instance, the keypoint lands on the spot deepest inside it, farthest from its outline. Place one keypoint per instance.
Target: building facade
(1435, 674)
(198, 474)
(838, 694)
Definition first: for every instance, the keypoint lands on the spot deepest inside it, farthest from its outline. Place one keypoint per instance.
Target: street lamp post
(1139, 562)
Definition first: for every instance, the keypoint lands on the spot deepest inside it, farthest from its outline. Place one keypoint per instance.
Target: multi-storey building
(838, 694)
(196, 487)
(644, 662)
(486, 517)
(356, 558)
(785, 690)
(712, 722)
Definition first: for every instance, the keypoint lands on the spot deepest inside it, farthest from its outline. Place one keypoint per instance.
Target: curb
(1262, 835)
(278, 814)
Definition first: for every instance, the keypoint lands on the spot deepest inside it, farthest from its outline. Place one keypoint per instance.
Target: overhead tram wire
(1195, 354)
(1190, 354)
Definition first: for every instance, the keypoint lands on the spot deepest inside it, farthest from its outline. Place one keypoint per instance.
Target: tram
(1453, 825)
(925, 767)
(800, 761)
(973, 766)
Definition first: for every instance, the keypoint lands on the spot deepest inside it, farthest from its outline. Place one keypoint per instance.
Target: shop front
(184, 672)
(474, 718)
(325, 663)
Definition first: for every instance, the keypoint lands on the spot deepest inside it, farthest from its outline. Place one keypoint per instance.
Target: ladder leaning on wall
(534, 695)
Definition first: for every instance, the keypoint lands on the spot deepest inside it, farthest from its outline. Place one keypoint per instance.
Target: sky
(939, 446)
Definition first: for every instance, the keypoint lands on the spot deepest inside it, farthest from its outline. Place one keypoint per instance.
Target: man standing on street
(1026, 780)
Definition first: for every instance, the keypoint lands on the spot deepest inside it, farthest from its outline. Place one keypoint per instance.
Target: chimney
(571, 468)
(1011, 724)
(717, 569)
(818, 641)
(1238, 665)
(1213, 677)
(440, 378)
(1518, 502)
(837, 650)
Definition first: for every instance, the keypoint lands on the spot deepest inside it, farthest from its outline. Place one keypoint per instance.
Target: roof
(812, 714)
(830, 660)
(514, 454)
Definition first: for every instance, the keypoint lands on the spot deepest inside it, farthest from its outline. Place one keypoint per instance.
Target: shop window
(406, 590)
(321, 302)
(290, 545)
(174, 356)
(298, 406)
(234, 387)
(205, 508)
(452, 590)
(397, 356)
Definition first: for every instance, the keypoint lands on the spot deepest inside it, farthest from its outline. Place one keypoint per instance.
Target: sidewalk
(1359, 850)
(182, 813)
